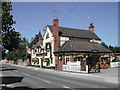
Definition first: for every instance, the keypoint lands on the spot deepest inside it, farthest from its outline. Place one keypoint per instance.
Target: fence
(72, 67)
(115, 64)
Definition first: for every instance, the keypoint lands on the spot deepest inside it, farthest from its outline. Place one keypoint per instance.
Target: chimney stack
(56, 34)
(91, 27)
(40, 38)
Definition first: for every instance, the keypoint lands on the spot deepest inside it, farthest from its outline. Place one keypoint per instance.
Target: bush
(114, 60)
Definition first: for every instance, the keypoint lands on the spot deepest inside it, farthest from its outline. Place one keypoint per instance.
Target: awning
(80, 55)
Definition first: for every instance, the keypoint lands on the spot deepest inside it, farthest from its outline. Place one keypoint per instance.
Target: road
(37, 78)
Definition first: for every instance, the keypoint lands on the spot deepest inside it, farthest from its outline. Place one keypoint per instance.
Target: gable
(48, 33)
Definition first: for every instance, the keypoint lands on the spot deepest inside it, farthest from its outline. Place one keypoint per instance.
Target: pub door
(92, 60)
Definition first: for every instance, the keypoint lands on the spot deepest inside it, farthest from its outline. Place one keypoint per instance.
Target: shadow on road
(7, 69)
(2, 67)
(27, 88)
(10, 79)
(22, 88)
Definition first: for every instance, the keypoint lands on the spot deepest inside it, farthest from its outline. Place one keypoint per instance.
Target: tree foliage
(112, 48)
(10, 38)
(34, 40)
(7, 18)
(104, 44)
(20, 53)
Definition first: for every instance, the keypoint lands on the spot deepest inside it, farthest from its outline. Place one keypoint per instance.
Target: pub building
(71, 49)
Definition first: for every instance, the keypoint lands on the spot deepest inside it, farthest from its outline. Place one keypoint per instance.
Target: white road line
(42, 80)
(46, 81)
(36, 68)
(10, 85)
(16, 71)
(65, 87)
(26, 74)
(29, 67)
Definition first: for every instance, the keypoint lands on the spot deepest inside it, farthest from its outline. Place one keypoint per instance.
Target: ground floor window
(35, 61)
(78, 59)
(51, 60)
(67, 58)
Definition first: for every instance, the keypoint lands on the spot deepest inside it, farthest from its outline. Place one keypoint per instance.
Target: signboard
(73, 63)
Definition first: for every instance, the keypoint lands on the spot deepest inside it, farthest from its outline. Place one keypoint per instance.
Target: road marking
(10, 86)
(65, 87)
(16, 71)
(46, 81)
(36, 68)
(30, 67)
(26, 74)
(42, 80)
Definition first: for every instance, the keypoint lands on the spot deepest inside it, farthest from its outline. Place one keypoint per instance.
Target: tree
(20, 53)
(104, 44)
(114, 49)
(34, 40)
(10, 38)
(23, 50)
(7, 18)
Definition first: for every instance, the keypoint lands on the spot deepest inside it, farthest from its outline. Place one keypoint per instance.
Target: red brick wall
(56, 62)
(91, 29)
(56, 40)
(63, 59)
(55, 34)
(71, 58)
(60, 65)
(40, 38)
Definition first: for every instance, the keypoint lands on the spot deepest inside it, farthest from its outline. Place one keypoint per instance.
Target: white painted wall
(49, 40)
(115, 64)
(63, 39)
(32, 54)
(93, 40)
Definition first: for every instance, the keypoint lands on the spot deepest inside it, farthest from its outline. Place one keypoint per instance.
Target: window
(75, 59)
(51, 60)
(34, 51)
(60, 58)
(48, 47)
(47, 36)
(67, 59)
(78, 59)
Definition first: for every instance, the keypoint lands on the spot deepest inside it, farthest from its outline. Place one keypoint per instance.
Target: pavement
(109, 75)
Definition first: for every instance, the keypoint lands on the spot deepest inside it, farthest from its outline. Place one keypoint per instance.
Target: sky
(32, 17)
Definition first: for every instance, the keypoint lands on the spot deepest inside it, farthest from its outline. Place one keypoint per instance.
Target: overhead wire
(70, 11)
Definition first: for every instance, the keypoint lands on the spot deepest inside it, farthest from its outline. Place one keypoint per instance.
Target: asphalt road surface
(40, 79)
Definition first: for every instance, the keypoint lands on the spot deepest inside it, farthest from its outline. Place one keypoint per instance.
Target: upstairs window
(47, 36)
(48, 47)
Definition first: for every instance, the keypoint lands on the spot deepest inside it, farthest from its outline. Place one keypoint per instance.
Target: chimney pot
(91, 27)
(40, 38)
